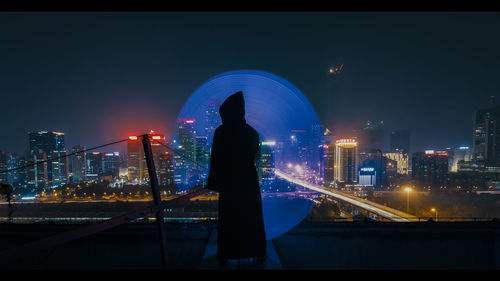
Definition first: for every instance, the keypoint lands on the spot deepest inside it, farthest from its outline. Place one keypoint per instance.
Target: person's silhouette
(233, 173)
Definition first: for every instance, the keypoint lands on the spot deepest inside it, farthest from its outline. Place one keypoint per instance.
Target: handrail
(46, 243)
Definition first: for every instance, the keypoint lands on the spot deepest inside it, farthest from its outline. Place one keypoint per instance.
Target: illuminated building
(16, 178)
(401, 158)
(135, 155)
(136, 160)
(165, 170)
(400, 140)
(3, 167)
(386, 169)
(111, 164)
(60, 167)
(460, 154)
(267, 164)
(328, 160)
(212, 119)
(430, 168)
(186, 146)
(52, 143)
(37, 172)
(299, 147)
(372, 136)
(94, 165)
(486, 137)
(157, 149)
(330, 164)
(79, 164)
(315, 161)
(202, 154)
(367, 176)
(346, 161)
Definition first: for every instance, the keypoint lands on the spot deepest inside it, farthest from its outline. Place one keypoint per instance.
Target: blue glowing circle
(290, 131)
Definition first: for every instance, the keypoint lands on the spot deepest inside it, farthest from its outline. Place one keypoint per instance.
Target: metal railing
(13, 254)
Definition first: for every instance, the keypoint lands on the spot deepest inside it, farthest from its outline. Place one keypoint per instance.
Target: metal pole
(408, 202)
(153, 180)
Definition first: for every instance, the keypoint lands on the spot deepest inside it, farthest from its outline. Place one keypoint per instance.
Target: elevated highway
(372, 207)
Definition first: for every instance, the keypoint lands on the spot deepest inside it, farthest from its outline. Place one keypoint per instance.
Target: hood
(232, 110)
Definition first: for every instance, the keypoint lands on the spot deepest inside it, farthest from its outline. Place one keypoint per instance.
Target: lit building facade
(346, 161)
(267, 164)
(212, 119)
(3, 167)
(135, 155)
(401, 158)
(367, 176)
(185, 159)
(37, 171)
(79, 164)
(486, 136)
(136, 159)
(330, 164)
(165, 171)
(461, 154)
(430, 168)
(53, 144)
(111, 164)
(94, 165)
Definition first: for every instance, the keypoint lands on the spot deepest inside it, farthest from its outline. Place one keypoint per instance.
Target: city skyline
(148, 64)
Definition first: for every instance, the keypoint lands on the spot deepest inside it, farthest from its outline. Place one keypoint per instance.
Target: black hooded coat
(233, 173)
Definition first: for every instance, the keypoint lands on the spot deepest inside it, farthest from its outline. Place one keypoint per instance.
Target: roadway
(372, 207)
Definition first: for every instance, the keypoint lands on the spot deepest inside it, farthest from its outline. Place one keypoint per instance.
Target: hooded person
(233, 173)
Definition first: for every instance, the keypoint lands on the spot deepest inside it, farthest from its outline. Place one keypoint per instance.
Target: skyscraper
(486, 137)
(111, 164)
(372, 136)
(186, 146)
(430, 168)
(400, 140)
(52, 143)
(3, 167)
(134, 157)
(401, 158)
(16, 178)
(136, 160)
(330, 164)
(94, 165)
(267, 164)
(79, 164)
(460, 154)
(165, 171)
(346, 161)
(212, 119)
(202, 154)
(37, 171)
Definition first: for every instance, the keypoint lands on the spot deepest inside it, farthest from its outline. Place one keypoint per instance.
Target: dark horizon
(99, 77)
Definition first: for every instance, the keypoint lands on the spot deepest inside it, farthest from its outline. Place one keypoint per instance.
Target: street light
(434, 210)
(408, 189)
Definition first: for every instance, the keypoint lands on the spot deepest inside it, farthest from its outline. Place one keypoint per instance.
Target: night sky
(100, 76)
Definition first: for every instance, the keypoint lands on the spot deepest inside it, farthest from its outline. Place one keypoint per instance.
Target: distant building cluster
(312, 154)
(61, 169)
